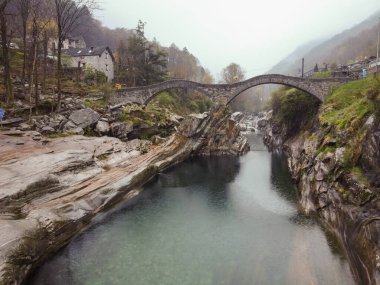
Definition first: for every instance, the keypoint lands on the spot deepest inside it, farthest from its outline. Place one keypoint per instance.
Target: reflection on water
(208, 221)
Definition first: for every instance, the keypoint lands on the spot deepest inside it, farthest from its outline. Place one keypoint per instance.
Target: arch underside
(230, 99)
(156, 93)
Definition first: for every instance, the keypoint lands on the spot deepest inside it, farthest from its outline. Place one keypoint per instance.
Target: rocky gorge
(335, 160)
(53, 186)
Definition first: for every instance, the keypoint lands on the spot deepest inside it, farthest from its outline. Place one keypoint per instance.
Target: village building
(96, 58)
(69, 42)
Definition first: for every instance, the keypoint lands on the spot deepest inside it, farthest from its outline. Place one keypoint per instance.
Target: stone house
(97, 58)
(69, 42)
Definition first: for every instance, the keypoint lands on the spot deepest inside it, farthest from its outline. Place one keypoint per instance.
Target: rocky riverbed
(52, 188)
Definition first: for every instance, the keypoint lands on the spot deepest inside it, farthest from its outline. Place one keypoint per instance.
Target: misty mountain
(288, 63)
(352, 44)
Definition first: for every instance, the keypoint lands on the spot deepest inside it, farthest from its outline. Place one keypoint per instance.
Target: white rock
(102, 127)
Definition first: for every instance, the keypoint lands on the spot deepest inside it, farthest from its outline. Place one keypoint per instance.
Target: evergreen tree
(146, 61)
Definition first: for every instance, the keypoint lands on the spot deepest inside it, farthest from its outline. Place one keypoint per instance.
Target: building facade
(95, 58)
(69, 42)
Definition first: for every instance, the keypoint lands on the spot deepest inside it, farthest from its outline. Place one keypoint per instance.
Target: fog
(254, 34)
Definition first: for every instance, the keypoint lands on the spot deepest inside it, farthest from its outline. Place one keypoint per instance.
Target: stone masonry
(227, 92)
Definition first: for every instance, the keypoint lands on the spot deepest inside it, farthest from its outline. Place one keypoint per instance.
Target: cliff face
(218, 133)
(51, 189)
(343, 193)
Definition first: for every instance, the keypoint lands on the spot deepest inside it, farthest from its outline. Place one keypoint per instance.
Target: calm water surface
(208, 221)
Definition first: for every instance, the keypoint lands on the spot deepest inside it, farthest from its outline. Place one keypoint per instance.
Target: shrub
(165, 99)
(293, 109)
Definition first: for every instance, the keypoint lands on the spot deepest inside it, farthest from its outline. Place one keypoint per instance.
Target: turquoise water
(207, 221)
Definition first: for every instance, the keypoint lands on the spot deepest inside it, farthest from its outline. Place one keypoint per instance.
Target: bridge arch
(234, 96)
(227, 92)
(178, 84)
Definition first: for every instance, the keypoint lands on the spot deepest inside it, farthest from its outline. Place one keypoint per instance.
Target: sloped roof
(88, 51)
(76, 38)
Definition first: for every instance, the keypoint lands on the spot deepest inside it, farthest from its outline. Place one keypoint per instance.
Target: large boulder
(121, 129)
(102, 128)
(84, 118)
(57, 121)
(47, 130)
(176, 119)
(237, 116)
(192, 124)
(263, 123)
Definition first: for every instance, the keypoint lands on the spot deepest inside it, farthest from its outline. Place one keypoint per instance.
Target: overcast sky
(253, 33)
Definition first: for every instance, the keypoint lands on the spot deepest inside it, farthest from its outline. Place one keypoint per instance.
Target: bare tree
(40, 19)
(44, 66)
(68, 13)
(24, 10)
(5, 48)
(233, 73)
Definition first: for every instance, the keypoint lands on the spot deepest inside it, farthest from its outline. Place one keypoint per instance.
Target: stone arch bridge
(319, 88)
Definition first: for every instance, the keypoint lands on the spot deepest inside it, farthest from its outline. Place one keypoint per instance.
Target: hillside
(287, 64)
(354, 43)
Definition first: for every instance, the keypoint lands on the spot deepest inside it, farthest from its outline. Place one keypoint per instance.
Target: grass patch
(321, 75)
(97, 105)
(348, 106)
(59, 135)
(150, 116)
(103, 156)
(345, 112)
(358, 173)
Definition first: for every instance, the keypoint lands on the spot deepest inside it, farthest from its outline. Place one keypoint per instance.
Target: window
(106, 67)
(106, 55)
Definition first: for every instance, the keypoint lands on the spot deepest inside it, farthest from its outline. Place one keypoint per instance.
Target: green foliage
(347, 107)
(358, 173)
(141, 62)
(59, 135)
(97, 105)
(344, 114)
(103, 156)
(4, 105)
(95, 75)
(66, 60)
(183, 103)
(322, 74)
(293, 109)
(148, 117)
(107, 89)
(373, 95)
(164, 99)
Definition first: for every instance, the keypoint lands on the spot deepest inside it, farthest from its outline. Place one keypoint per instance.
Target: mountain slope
(354, 43)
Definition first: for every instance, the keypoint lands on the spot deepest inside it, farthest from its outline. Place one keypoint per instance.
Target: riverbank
(335, 160)
(53, 188)
(210, 221)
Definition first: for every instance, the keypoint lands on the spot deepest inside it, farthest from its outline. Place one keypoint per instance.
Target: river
(207, 221)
